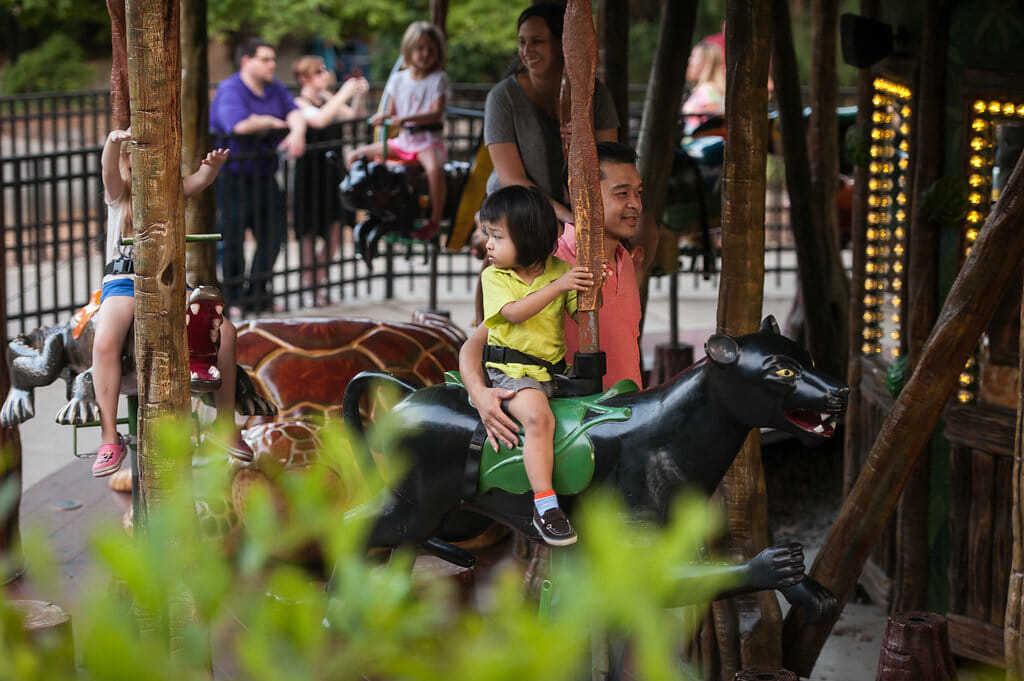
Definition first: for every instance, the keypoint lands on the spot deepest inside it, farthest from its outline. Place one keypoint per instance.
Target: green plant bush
(164, 603)
(54, 66)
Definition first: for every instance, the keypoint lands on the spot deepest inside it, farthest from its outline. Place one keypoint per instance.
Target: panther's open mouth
(817, 422)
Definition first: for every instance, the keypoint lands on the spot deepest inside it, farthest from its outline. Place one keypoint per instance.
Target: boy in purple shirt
(254, 103)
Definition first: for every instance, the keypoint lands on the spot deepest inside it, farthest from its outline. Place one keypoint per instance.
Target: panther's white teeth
(825, 416)
(820, 429)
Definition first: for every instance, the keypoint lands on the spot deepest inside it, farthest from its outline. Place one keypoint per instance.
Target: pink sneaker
(109, 458)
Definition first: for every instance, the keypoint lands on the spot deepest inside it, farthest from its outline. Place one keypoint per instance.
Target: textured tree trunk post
(826, 293)
(579, 45)
(747, 36)
(1013, 624)
(200, 210)
(659, 123)
(613, 57)
(439, 14)
(929, 123)
(967, 309)
(915, 646)
(764, 674)
(48, 628)
(12, 561)
(119, 103)
(858, 243)
(155, 83)
(822, 281)
(154, 73)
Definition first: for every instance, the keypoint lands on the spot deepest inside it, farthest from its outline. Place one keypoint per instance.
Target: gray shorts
(499, 379)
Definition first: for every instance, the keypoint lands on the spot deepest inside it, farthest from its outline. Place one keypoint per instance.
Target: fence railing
(54, 216)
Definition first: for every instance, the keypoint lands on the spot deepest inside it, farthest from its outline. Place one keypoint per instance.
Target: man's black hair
(529, 218)
(616, 152)
(248, 47)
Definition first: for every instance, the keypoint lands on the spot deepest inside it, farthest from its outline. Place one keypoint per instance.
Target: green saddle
(574, 452)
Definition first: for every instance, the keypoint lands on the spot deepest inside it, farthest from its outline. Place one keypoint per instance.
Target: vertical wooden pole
(921, 299)
(154, 74)
(659, 123)
(613, 57)
(119, 69)
(747, 49)
(200, 210)
(1013, 624)
(11, 559)
(579, 46)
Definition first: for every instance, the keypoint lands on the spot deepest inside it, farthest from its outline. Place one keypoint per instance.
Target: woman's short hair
(417, 30)
(307, 66)
(529, 218)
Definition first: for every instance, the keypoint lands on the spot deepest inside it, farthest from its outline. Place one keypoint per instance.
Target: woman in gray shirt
(521, 126)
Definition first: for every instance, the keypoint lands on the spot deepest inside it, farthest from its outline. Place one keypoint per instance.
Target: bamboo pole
(968, 308)
(579, 47)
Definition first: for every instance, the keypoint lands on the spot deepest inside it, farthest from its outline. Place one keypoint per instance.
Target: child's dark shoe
(203, 318)
(109, 458)
(555, 529)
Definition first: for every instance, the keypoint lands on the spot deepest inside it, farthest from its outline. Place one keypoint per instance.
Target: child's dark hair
(529, 218)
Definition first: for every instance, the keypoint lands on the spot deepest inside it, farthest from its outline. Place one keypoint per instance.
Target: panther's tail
(350, 409)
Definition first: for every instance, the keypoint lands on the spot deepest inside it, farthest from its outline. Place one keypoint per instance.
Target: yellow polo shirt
(542, 335)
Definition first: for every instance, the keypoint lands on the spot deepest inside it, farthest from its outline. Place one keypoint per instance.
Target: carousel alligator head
(38, 358)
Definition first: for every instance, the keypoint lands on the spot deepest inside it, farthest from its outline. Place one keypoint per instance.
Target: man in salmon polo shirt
(619, 314)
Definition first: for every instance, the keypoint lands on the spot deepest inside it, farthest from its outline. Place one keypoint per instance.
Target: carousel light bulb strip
(889, 148)
(983, 194)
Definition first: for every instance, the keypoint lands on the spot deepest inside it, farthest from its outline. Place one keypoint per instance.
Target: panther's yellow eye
(785, 373)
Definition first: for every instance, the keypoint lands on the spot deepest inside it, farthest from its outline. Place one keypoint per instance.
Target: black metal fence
(54, 216)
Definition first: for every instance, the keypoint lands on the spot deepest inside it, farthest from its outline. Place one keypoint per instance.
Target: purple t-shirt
(234, 102)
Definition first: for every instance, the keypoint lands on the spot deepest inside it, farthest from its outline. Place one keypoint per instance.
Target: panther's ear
(769, 325)
(722, 349)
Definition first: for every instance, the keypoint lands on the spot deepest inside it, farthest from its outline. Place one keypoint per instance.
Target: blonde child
(416, 95)
(526, 293)
(117, 300)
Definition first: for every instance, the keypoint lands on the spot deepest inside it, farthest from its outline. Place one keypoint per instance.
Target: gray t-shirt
(510, 116)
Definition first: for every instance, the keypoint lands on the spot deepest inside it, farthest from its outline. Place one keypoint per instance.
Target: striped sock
(545, 501)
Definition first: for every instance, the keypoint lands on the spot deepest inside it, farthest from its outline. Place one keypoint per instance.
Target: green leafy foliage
(161, 604)
(54, 66)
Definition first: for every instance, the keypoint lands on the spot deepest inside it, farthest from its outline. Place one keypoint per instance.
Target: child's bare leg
(224, 397)
(307, 260)
(431, 162)
(531, 408)
(113, 320)
(372, 151)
